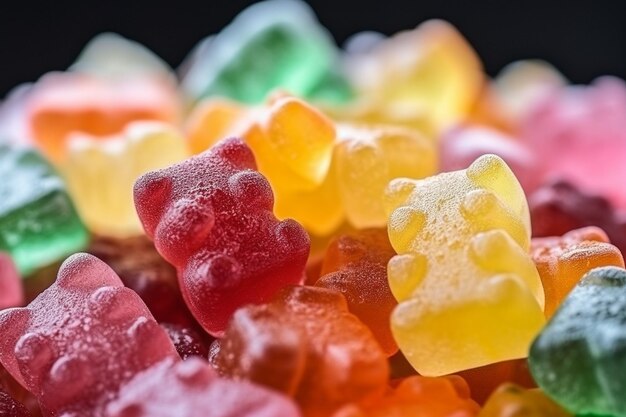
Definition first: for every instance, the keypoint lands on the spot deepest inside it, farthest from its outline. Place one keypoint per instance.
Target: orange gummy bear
(562, 261)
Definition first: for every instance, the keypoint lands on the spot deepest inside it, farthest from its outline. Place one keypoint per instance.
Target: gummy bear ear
(13, 323)
(84, 271)
(150, 192)
(235, 151)
(252, 189)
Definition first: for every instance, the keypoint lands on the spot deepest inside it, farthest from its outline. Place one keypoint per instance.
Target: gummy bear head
(60, 347)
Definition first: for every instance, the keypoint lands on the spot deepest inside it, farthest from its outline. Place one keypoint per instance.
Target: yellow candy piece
(368, 158)
(101, 172)
(469, 293)
(430, 71)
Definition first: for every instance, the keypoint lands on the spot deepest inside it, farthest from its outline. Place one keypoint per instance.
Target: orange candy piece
(419, 396)
(64, 103)
(356, 265)
(307, 345)
(562, 261)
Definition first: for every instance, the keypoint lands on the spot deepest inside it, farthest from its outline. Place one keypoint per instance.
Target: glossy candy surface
(211, 217)
(468, 292)
(59, 346)
(192, 389)
(356, 265)
(510, 400)
(101, 172)
(307, 345)
(38, 222)
(578, 357)
(562, 261)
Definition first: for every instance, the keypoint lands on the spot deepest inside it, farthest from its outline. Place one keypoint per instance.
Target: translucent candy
(305, 344)
(11, 292)
(510, 400)
(578, 358)
(60, 346)
(211, 217)
(38, 222)
(562, 261)
(101, 172)
(191, 389)
(468, 292)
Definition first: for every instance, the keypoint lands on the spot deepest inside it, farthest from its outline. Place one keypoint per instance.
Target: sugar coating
(468, 292)
(211, 217)
(562, 261)
(355, 264)
(100, 172)
(60, 347)
(192, 389)
(307, 345)
(9, 407)
(578, 357)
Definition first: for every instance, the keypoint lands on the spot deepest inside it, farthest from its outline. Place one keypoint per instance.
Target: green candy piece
(579, 358)
(38, 222)
(272, 44)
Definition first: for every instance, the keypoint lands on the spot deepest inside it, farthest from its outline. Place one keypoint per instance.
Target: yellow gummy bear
(430, 72)
(101, 172)
(469, 293)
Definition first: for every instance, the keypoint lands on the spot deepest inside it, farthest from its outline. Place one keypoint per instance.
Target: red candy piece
(186, 340)
(356, 266)
(192, 389)
(559, 207)
(11, 292)
(579, 134)
(81, 339)
(211, 217)
(9, 407)
(305, 344)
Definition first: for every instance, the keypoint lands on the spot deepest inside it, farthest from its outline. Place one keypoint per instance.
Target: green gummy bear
(276, 44)
(579, 358)
(38, 222)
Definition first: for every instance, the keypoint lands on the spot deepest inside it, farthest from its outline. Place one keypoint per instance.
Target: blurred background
(585, 39)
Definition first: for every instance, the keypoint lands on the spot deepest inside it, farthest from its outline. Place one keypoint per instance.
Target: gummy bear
(9, 407)
(578, 357)
(38, 222)
(468, 292)
(484, 380)
(100, 172)
(62, 103)
(305, 344)
(430, 71)
(140, 267)
(462, 145)
(510, 400)
(211, 217)
(60, 346)
(192, 389)
(356, 266)
(578, 132)
(11, 292)
(558, 207)
(562, 261)
(272, 44)
(419, 396)
(212, 120)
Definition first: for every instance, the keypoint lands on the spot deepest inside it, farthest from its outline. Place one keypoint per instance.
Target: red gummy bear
(356, 266)
(305, 344)
(192, 389)
(81, 339)
(211, 217)
(9, 407)
(559, 207)
(187, 341)
(11, 292)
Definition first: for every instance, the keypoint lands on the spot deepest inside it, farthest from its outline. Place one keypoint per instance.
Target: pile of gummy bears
(282, 229)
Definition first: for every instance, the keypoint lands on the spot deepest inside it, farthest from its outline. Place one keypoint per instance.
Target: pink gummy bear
(211, 217)
(81, 339)
(11, 292)
(462, 145)
(579, 134)
(192, 389)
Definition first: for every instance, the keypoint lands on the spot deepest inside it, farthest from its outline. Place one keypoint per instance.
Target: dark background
(583, 39)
